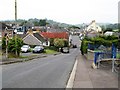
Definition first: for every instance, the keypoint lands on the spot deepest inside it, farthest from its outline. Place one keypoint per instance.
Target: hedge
(99, 40)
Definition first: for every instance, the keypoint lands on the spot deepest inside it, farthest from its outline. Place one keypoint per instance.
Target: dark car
(74, 46)
(65, 50)
(38, 49)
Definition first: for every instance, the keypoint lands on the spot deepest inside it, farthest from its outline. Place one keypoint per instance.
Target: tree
(108, 29)
(36, 23)
(3, 43)
(42, 22)
(59, 43)
(14, 45)
(23, 23)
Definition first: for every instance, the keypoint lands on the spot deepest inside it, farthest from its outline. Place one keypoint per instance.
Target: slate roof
(39, 37)
(3, 26)
(56, 30)
(33, 39)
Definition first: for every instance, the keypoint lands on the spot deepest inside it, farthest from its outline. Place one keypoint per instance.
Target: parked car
(38, 49)
(74, 46)
(25, 48)
(65, 50)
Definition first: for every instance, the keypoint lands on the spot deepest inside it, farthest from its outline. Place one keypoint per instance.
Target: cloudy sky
(65, 11)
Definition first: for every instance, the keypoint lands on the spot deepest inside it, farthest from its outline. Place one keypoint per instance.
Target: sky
(64, 11)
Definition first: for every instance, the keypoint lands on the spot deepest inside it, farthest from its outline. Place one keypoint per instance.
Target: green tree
(3, 43)
(42, 22)
(36, 23)
(58, 43)
(23, 23)
(14, 45)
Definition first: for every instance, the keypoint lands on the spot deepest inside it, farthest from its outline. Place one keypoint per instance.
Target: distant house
(109, 33)
(34, 39)
(5, 29)
(59, 30)
(93, 29)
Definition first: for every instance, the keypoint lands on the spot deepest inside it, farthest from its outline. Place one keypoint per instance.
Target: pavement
(87, 77)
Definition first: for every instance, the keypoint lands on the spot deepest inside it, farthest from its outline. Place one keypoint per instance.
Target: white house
(93, 27)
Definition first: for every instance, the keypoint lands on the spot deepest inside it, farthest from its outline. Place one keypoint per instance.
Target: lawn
(118, 55)
(49, 51)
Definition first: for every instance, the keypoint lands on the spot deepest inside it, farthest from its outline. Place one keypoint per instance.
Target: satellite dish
(6, 28)
(15, 30)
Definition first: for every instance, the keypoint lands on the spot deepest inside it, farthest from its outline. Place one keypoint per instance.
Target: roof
(63, 35)
(108, 33)
(33, 39)
(39, 37)
(3, 26)
(22, 35)
(56, 30)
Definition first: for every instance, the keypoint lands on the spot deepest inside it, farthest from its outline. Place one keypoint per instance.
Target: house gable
(30, 39)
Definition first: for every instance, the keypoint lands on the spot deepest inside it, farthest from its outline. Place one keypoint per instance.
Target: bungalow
(34, 39)
(53, 35)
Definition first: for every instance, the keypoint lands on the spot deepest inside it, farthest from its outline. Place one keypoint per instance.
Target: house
(53, 35)
(93, 29)
(109, 33)
(5, 29)
(34, 39)
(53, 29)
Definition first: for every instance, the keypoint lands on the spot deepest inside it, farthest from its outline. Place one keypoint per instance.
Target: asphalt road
(49, 72)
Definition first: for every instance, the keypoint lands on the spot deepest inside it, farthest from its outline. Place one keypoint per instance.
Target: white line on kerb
(72, 76)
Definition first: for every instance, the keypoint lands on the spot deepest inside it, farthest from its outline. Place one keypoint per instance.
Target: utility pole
(6, 41)
(15, 10)
(16, 26)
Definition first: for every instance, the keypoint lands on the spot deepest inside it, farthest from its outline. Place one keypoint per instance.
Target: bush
(84, 46)
(51, 42)
(66, 43)
(118, 55)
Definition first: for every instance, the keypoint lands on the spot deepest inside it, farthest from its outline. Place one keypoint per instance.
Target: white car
(65, 50)
(25, 48)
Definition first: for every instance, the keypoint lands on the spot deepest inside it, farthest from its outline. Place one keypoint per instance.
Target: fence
(104, 53)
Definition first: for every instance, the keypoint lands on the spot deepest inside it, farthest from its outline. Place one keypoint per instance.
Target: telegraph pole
(6, 41)
(15, 10)
(16, 26)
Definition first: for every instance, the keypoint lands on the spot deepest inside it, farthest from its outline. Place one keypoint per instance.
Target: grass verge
(49, 51)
